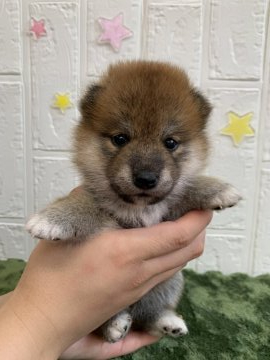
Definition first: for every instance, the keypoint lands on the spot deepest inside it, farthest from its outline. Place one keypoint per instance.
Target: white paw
(118, 328)
(226, 198)
(170, 324)
(41, 228)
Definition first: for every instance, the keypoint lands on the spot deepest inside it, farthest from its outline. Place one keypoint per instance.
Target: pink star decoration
(114, 31)
(38, 28)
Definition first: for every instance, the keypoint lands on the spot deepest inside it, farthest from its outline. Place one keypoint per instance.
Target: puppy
(140, 146)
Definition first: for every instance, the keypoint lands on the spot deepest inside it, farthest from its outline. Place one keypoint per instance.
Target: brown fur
(148, 103)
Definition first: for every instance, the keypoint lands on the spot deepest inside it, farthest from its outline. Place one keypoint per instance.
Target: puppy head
(141, 135)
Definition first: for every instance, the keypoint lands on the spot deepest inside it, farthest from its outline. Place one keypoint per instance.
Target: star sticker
(114, 31)
(38, 28)
(62, 102)
(238, 127)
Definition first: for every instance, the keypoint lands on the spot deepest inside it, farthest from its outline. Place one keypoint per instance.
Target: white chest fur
(144, 216)
(138, 215)
(153, 214)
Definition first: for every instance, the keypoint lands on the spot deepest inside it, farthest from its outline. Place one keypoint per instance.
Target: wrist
(25, 333)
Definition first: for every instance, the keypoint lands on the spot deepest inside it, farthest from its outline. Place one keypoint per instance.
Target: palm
(95, 348)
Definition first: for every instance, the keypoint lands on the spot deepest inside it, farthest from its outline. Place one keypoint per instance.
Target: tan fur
(148, 103)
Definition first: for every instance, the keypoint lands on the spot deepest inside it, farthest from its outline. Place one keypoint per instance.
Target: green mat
(228, 317)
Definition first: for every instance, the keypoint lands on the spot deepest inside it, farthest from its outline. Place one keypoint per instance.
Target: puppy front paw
(169, 324)
(44, 226)
(117, 327)
(227, 197)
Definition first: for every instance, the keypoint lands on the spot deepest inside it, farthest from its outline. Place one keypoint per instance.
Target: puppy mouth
(143, 195)
(140, 198)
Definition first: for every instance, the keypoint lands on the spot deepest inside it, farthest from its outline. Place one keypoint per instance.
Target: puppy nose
(145, 180)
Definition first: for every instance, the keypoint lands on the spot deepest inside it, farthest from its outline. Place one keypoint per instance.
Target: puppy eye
(120, 140)
(171, 144)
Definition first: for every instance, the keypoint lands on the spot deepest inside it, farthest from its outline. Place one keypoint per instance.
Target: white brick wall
(10, 39)
(236, 39)
(99, 56)
(224, 46)
(54, 65)
(174, 34)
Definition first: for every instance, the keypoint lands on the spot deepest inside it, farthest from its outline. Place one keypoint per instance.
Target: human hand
(68, 291)
(95, 348)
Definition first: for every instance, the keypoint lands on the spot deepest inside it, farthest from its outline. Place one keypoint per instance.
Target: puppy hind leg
(117, 327)
(169, 323)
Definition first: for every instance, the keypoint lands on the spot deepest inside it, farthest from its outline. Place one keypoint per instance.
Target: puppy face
(141, 136)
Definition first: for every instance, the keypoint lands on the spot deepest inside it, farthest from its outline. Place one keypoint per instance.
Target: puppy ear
(89, 99)
(204, 105)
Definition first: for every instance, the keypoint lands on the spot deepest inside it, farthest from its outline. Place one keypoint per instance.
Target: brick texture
(223, 45)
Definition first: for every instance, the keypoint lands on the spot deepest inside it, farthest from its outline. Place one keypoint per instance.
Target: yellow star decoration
(62, 101)
(238, 127)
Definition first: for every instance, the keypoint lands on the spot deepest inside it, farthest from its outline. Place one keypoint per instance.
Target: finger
(94, 347)
(164, 267)
(132, 342)
(163, 238)
(157, 279)
(176, 258)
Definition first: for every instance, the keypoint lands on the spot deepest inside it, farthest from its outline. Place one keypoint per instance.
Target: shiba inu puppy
(140, 147)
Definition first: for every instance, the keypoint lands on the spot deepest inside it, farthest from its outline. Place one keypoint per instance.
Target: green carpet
(228, 317)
